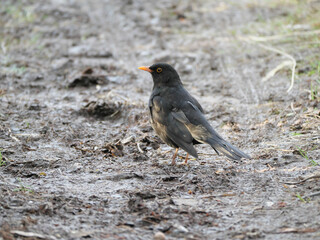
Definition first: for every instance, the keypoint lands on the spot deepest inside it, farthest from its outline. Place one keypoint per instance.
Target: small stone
(159, 236)
(180, 229)
(269, 204)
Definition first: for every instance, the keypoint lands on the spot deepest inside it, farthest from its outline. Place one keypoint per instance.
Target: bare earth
(79, 158)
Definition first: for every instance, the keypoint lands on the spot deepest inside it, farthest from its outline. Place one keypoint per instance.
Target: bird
(178, 118)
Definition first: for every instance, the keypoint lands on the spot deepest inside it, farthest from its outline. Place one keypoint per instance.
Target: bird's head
(163, 74)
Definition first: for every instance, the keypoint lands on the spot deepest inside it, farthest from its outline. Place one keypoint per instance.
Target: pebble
(159, 236)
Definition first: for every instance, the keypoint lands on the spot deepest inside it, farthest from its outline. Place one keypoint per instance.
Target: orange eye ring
(159, 70)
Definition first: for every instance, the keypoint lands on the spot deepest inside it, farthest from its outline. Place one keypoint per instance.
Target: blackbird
(179, 119)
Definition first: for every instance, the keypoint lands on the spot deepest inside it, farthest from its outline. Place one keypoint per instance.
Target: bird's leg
(174, 157)
(186, 160)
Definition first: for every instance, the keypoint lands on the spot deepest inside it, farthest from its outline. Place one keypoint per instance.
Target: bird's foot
(185, 164)
(174, 157)
(186, 160)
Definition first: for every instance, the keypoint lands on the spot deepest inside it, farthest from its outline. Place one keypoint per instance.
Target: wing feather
(168, 127)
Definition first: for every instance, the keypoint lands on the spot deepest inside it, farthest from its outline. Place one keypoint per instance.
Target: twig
(294, 63)
(32, 235)
(252, 39)
(165, 152)
(304, 180)
(276, 69)
(139, 148)
(220, 195)
(12, 136)
(279, 149)
(278, 37)
(312, 195)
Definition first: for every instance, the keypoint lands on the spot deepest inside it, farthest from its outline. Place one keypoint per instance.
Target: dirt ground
(79, 159)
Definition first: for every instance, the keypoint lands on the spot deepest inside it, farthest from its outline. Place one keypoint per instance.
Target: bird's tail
(220, 145)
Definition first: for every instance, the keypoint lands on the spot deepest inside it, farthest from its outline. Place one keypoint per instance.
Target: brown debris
(101, 109)
(113, 149)
(87, 79)
(5, 232)
(150, 141)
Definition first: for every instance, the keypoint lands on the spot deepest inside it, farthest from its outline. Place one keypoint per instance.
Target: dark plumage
(178, 118)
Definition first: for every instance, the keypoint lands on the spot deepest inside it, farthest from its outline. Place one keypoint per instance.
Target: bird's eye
(159, 70)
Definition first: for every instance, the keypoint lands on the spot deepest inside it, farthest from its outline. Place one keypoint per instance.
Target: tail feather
(227, 149)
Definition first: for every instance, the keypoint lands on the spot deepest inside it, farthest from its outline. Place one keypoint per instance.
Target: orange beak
(146, 69)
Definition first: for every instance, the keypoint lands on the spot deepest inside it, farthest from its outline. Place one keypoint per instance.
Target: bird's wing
(202, 131)
(196, 122)
(165, 120)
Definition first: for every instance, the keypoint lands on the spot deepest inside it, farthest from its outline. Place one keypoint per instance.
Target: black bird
(178, 118)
